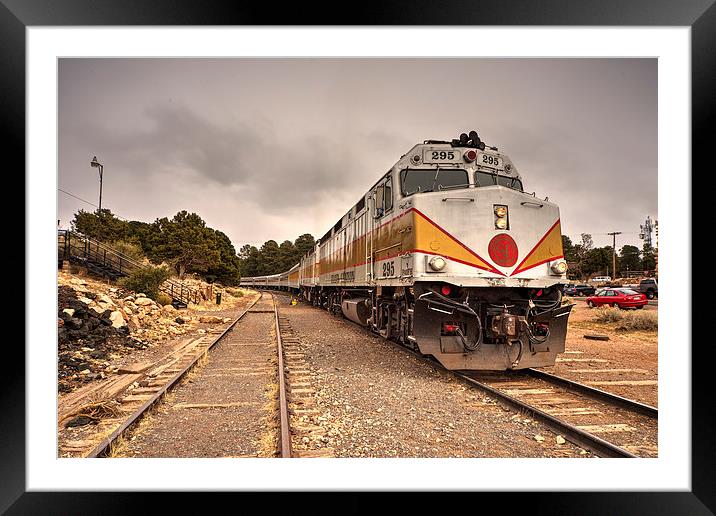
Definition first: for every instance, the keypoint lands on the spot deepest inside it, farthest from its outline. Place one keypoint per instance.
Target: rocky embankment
(99, 323)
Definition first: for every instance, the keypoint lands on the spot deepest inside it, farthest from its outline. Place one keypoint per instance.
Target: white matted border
(671, 471)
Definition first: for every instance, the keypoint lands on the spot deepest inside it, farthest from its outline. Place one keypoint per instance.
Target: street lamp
(96, 163)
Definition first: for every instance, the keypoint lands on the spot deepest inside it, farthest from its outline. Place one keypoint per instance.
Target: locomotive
(448, 255)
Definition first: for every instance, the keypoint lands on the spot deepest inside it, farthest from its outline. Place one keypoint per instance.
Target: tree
(186, 243)
(101, 225)
(304, 244)
(568, 249)
(648, 258)
(629, 259)
(269, 262)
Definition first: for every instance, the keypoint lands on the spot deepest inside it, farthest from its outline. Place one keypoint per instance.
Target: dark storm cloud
(272, 148)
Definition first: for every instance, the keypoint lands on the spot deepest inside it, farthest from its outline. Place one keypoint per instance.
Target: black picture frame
(699, 15)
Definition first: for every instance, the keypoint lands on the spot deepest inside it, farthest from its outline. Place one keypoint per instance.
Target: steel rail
(102, 448)
(597, 394)
(283, 403)
(570, 432)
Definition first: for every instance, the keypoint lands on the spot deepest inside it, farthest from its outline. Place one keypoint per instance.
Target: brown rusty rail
(283, 403)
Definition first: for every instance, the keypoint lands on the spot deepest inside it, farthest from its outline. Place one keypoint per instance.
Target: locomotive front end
(487, 263)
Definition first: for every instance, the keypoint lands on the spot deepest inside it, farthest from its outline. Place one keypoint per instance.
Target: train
(448, 255)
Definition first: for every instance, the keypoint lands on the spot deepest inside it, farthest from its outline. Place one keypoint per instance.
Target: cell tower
(646, 230)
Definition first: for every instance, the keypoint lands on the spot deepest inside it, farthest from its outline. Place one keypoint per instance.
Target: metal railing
(103, 259)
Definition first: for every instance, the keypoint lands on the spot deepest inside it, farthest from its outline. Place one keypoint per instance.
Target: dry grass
(636, 320)
(268, 443)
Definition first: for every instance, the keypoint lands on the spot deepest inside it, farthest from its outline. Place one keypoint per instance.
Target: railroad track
(576, 411)
(160, 385)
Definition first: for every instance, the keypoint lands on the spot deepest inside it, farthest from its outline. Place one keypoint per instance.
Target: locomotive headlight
(501, 219)
(437, 263)
(559, 267)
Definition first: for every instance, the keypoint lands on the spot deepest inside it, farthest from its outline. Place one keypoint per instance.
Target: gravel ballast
(374, 400)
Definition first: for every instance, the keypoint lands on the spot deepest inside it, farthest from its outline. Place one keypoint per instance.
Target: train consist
(448, 255)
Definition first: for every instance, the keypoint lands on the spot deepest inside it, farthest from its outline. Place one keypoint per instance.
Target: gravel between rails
(226, 407)
(373, 400)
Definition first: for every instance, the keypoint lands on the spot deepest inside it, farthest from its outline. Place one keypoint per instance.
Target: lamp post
(95, 163)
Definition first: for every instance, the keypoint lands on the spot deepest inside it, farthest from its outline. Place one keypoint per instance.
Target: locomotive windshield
(428, 180)
(486, 179)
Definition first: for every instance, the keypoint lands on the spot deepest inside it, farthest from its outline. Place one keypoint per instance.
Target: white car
(601, 278)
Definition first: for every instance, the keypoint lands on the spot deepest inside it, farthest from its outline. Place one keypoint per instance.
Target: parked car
(579, 290)
(649, 287)
(617, 297)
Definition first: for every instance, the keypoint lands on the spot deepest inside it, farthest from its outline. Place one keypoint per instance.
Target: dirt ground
(626, 364)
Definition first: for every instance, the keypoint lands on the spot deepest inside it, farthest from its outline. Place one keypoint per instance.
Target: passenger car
(617, 297)
(649, 287)
(579, 290)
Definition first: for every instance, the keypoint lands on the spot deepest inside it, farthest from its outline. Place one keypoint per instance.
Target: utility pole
(614, 252)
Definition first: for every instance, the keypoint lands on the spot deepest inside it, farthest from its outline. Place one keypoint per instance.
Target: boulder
(69, 311)
(85, 300)
(143, 301)
(180, 320)
(117, 319)
(141, 294)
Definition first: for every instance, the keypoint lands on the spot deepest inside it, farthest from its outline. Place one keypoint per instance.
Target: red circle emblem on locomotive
(503, 250)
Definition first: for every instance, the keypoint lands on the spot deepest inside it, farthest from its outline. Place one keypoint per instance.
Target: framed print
(603, 107)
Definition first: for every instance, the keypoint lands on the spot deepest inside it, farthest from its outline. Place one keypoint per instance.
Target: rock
(60, 323)
(560, 440)
(103, 298)
(117, 319)
(128, 299)
(539, 438)
(179, 320)
(69, 311)
(143, 301)
(211, 319)
(78, 281)
(74, 323)
(85, 300)
(79, 421)
(141, 294)
(227, 319)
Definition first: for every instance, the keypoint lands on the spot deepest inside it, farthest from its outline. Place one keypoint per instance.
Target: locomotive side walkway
(373, 400)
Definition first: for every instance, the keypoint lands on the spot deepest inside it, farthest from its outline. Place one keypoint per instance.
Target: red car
(621, 297)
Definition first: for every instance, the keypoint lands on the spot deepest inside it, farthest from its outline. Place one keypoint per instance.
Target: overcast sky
(273, 148)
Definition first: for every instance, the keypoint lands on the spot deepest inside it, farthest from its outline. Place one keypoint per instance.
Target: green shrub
(164, 299)
(640, 321)
(607, 314)
(633, 320)
(146, 280)
(129, 249)
(235, 292)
